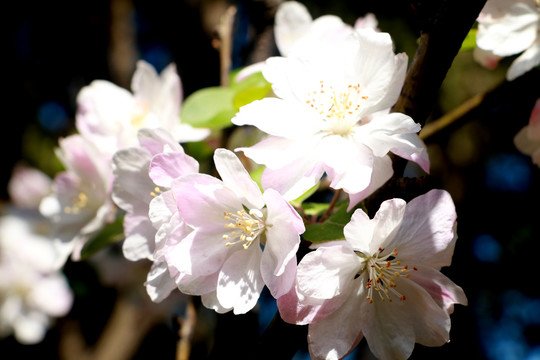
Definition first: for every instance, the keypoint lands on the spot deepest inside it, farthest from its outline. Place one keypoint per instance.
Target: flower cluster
(224, 235)
(507, 28)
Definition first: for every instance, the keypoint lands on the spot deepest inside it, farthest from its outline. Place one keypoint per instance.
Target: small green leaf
(256, 175)
(250, 94)
(254, 80)
(298, 201)
(110, 234)
(331, 229)
(210, 107)
(469, 43)
(314, 209)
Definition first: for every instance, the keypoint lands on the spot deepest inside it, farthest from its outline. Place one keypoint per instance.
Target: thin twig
(328, 211)
(448, 119)
(225, 32)
(187, 324)
(126, 328)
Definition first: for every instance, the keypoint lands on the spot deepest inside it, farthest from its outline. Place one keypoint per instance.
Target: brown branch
(443, 26)
(225, 35)
(187, 324)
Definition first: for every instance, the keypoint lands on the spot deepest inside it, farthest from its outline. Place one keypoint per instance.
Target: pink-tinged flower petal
(343, 326)
(162, 208)
(132, 186)
(159, 283)
(210, 301)
(278, 263)
(294, 179)
(486, 58)
(370, 235)
(155, 141)
(158, 91)
(82, 158)
(534, 122)
(359, 231)
(290, 120)
(397, 133)
(368, 21)
(292, 22)
(198, 254)
(101, 106)
(276, 152)
(196, 285)
(240, 282)
(511, 33)
(427, 234)
(166, 167)
(392, 329)
(327, 272)
(442, 289)
(138, 230)
(523, 142)
(51, 295)
(202, 199)
(28, 186)
(525, 62)
(382, 172)
(295, 309)
(237, 179)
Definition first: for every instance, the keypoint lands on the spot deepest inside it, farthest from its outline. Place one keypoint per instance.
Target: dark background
(52, 49)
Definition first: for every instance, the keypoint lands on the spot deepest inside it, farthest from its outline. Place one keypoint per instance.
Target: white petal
(327, 272)
(287, 119)
(159, 283)
(240, 282)
(428, 237)
(292, 21)
(336, 335)
(510, 34)
(525, 62)
(236, 178)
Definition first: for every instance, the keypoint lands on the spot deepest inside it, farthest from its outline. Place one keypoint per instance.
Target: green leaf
(314, 209)
(110, 234)
(254, 80)
(256, 175)
(250, 94)
(331, 229)
(211, 107)
(298, 201)
(469, 43)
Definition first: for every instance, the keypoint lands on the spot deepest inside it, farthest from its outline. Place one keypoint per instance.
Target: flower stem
(328, 211)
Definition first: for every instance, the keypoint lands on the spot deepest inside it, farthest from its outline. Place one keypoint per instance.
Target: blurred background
(54, 48)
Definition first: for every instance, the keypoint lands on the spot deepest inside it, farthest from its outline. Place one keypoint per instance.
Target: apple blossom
(527, 140)
(238, 239)
(32, 291)
(295, 31)
(331, 115)
(133, 190)
(506, 28)
(382, 282)
(111, 116)
(80, 204)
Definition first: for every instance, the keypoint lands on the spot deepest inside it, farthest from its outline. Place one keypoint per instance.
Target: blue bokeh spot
(508, 173)
(486, 248)
(52, 116)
